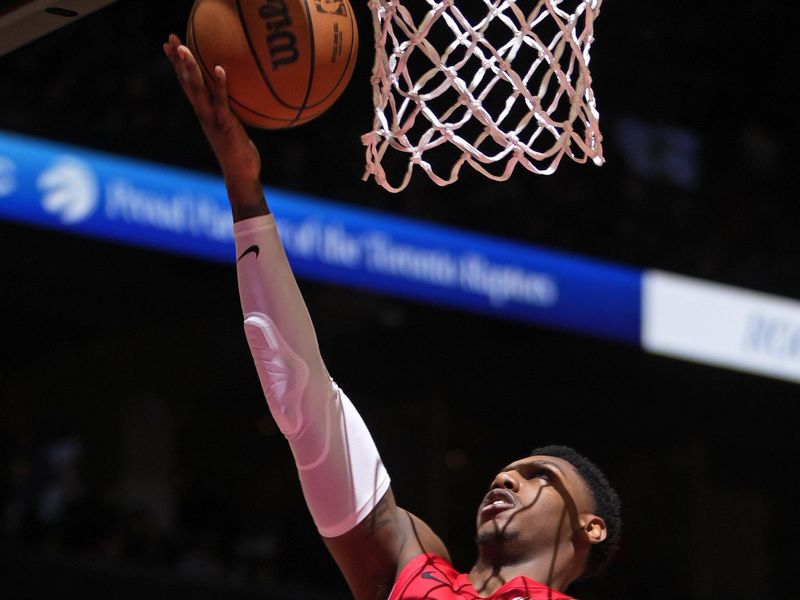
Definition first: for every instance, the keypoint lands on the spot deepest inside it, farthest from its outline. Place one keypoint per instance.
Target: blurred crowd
(49, 505)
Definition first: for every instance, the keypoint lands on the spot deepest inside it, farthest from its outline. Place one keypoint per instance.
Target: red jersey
(430, 577)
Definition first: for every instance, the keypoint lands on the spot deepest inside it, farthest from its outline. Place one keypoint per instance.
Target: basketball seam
(350, 57)
(304, 112)
(313, 64)
(284, 121)
(231, 98)
(257, 60)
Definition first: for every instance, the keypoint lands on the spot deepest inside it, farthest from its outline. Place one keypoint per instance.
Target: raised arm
(343, 479)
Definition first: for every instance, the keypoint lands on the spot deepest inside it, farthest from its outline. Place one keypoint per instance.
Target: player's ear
(593, 529)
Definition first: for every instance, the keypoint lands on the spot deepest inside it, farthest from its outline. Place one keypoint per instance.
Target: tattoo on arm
(378, 519)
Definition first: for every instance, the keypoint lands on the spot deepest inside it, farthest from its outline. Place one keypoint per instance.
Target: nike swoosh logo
(429, 575)
(254, 249)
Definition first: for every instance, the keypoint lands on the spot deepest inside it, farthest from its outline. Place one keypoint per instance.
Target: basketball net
(510, 85)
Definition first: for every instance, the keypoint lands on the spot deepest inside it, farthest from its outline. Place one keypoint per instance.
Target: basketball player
(547, 519)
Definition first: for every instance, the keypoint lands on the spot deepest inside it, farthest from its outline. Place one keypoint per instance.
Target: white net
(489, 83)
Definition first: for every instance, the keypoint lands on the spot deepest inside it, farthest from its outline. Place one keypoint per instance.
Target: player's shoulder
(422, 540)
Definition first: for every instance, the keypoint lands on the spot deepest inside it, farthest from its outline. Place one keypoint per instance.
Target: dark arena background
(138, 457)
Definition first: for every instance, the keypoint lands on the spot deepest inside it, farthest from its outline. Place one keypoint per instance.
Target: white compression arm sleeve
(340, 469)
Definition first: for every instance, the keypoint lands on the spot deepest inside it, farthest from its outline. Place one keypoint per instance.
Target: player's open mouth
(496, 501)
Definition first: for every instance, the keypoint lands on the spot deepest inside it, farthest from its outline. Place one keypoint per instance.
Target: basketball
(287, 61)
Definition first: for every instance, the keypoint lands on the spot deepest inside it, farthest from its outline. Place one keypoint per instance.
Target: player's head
(555, 506)
(607, 505)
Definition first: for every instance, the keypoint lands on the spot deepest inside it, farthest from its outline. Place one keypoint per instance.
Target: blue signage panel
(95, 194)
(154, 206)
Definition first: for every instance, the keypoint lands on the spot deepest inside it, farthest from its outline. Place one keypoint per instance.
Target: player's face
(535, 503)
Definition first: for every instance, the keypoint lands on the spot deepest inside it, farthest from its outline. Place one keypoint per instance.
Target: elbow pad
(342, 475)
(282, 373)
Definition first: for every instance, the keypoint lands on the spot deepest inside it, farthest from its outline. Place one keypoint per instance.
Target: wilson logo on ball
(287, 61)
(281, 42)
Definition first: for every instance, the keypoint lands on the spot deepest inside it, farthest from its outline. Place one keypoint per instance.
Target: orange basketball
(287, 61)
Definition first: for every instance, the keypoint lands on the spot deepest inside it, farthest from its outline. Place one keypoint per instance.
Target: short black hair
(607, 504)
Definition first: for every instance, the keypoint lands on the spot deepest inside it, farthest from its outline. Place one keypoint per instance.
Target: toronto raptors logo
(331, 7)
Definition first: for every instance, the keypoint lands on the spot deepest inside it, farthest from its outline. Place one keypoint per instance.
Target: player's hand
(235, 151)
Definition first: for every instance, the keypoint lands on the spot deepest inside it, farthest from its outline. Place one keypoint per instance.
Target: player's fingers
(219, 91)
(178, 64)
(193, 83)
(209, 97)
(171, 48)
(195, 76)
